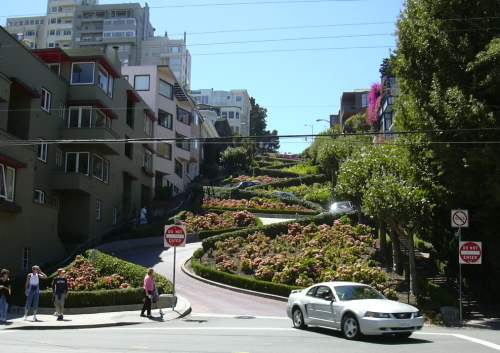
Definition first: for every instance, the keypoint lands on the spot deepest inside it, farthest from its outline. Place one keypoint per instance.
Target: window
(98, 167)
(165, 150)
(148, 125)
(178, 168)
(39, 197)
(77, 162)
(41, 151)
(223, 115)
(183, 116)
(59, 159)
(115, 216)
(105, 81)
(141, 82)
(101, 120)
(98, 209)
(147, 162)
(231, 115)
(67, 32)
(239, 98)
(129, 149)
(26, 259)
(174, 49)
(166, 89)
(364, 100)
(58, 32)
(185, 145)
(324, 293)
(45, 100)
(165, 119)
(130, 113)
(237, 115)
(51, 45)
(7, 182)
(312, 291)
(82, 73)
(53, 20)
(80, 117)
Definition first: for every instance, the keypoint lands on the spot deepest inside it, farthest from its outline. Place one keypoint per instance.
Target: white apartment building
(234, 105)
(171, 52)
(31, 31)
(174, 163)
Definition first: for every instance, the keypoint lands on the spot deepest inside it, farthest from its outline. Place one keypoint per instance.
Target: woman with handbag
(33, 291)
(149, 292)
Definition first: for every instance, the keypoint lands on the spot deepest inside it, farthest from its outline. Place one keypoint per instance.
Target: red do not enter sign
(174, 235)
(470, 252)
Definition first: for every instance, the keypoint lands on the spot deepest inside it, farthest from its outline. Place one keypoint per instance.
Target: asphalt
(207, 333)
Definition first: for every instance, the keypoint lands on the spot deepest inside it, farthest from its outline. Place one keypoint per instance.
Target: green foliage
(357, 123)
(96, 298)
(304, 169)
(306, 180)
(236, 159)
(277, 173)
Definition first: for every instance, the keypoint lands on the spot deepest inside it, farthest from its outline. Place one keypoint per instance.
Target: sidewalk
(49, 322)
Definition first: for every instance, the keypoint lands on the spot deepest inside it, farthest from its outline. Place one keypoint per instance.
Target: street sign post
(174, 235)
(459, 218)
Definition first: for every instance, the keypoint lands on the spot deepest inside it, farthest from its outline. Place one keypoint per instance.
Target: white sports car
(354, 308)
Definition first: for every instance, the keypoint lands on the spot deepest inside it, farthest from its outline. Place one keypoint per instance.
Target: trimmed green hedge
(240, 281)
(297, 180)
(258, 210)
(277, 173)
(271, 230)
(96, 298)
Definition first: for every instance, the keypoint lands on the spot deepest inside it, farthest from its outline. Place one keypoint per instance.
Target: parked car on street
(342, 207)
(285, 195)
(354, 308)
(246, 184)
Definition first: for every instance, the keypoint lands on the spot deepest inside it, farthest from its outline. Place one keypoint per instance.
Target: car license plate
(405, 323)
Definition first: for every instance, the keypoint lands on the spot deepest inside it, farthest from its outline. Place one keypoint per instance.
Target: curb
(232, 288)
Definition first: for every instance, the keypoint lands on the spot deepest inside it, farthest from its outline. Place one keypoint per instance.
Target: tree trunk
(396, 252)
(383, 243)
(413, 268)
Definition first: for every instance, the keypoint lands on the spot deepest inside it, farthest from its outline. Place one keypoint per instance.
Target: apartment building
(234, 105)
(171, 52)
(54, 194)
(175, 164)
(116, 25)
(31, 31)
(352, 103)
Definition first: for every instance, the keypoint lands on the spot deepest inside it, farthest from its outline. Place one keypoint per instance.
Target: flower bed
(256, 204)
(303, 255)
(263, 179)
(215, 221)
(318, 192)
(99, 279)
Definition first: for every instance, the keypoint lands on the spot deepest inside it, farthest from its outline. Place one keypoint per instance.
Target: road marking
(464, 337)
(230, 316)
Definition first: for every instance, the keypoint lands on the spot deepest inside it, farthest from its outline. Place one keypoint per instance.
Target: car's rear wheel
(298, 319)
(403, 334)
(350, 327)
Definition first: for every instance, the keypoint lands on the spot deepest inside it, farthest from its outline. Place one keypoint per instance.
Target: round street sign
(470, 252)
(174, 235)
(459, 218)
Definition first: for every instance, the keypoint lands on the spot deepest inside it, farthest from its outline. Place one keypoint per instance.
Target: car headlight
(418, 314)
(377, 315)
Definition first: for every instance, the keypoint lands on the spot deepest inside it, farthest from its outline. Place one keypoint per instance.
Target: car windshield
(346, 293)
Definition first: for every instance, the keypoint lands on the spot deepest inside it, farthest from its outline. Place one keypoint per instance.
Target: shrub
(236, 159)
(278, 173)
(298, 180)
(96, 298)
(255, 203)
(304, 169)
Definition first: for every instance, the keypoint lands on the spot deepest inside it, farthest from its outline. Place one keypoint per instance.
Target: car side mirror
(329, 298)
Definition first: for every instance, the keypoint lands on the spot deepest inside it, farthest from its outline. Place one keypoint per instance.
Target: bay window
(147, 162)
(183, 116)
(105, 82)
(39, 196)
(82, 73)
(77, 162)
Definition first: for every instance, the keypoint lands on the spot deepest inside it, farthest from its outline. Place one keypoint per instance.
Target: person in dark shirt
(60, 290)
(4, 295)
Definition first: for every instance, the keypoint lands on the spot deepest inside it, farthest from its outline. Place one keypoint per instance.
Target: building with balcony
(175, 163)
(116, 25)
(31, 31)
(55, 194)
(234, 105)
(352, 103)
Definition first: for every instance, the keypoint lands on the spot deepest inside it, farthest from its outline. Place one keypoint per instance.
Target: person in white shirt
(33, 291)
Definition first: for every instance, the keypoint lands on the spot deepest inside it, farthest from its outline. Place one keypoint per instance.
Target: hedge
(276, 173)
(298, 180)
(259, 210)
(271, 230)
(96, 298)
(240, 281)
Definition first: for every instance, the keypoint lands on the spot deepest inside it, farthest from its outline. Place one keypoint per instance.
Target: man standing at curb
(60, 290)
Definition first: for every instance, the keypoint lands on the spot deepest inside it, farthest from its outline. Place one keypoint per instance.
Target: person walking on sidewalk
(60, 290)
(149, 291)
(4, 295)
(33, 291)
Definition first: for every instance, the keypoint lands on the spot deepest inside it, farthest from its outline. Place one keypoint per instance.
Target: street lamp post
(312, 131)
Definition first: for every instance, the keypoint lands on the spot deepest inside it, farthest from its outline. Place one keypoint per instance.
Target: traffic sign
(459, 218)
(470, 252)
(174, 236)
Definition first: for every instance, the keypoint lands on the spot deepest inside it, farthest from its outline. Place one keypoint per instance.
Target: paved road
(204, 298)
(210, 334)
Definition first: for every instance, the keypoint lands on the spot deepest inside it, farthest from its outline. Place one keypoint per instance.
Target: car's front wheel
(350, 327)
(298, 319)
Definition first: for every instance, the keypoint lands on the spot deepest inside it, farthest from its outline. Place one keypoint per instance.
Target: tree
(449, 77)
(258, 119)
(236, 159)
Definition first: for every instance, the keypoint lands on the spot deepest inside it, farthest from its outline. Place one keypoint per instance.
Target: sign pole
(460, 276)
(175, 255)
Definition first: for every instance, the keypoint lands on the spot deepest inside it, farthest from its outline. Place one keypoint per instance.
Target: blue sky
(296, 87)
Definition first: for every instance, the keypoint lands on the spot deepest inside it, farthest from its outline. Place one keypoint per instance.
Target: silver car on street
(354, 308)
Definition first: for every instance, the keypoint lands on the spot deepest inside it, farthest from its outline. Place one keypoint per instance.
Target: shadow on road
(383, 340)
